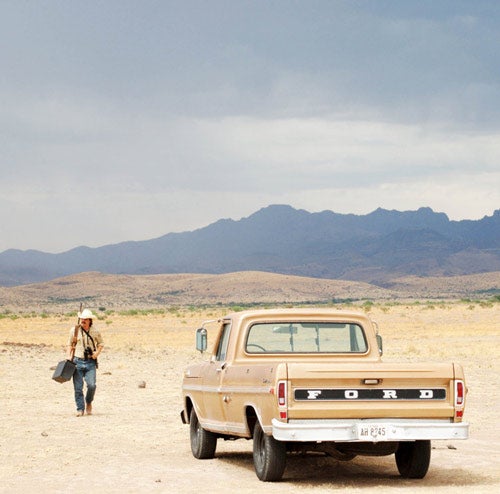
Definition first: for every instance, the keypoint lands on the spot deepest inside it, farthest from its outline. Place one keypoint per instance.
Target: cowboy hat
(86, 314)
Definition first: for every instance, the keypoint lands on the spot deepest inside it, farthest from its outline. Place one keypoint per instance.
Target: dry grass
(420, 327)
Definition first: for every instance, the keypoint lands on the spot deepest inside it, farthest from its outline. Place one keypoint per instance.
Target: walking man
(88, 344)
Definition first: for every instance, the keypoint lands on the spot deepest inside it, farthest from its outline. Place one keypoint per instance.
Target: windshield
(306, 337)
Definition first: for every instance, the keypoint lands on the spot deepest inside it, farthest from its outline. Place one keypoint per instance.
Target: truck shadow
(319, 470)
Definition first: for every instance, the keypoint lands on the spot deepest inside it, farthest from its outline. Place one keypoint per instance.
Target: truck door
(212, 382)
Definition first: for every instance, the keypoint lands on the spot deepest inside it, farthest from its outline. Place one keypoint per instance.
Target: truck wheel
(269, 456)
(413, 459)
(203, 443)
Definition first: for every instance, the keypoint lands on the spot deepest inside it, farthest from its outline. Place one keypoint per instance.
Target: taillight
(459, 393)
(282, 400)
(282, 393)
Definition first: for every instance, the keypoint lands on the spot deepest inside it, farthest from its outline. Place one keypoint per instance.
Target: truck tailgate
(370, 390)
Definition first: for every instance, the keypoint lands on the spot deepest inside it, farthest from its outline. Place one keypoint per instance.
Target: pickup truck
(304, 380)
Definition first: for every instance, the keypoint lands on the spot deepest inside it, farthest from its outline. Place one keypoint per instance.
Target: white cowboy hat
(86, 314)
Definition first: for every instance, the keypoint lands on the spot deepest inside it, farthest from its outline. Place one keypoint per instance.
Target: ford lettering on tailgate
(370, 394)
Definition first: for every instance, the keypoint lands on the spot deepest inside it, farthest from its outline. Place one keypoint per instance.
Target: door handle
(221, 368)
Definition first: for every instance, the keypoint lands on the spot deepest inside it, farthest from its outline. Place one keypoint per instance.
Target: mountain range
(375, 248)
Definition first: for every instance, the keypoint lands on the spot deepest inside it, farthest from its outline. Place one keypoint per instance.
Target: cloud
(140, 119)
(182, 175)
(266, 59)
(68, 145)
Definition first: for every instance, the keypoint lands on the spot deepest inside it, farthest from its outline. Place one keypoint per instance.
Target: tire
(413, 459)
(269, 456)
(203, 443)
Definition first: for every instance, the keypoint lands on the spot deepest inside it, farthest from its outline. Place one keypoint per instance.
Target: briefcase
(64, 371)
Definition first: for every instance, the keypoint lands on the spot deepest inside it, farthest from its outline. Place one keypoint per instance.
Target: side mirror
(201, 339)
(380, 344)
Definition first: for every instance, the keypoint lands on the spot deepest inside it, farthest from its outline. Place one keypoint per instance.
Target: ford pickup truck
(304, 380)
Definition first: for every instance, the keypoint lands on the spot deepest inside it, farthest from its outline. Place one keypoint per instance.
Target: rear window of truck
(305, 337)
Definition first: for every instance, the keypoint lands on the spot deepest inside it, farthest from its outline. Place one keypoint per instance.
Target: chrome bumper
(368, 430)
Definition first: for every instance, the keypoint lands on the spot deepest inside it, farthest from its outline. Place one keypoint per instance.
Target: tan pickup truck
(303, 380)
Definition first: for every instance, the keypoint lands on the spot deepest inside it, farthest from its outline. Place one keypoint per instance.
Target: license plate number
(372, 432)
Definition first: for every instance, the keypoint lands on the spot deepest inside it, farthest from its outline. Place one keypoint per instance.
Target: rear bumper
(368, 430)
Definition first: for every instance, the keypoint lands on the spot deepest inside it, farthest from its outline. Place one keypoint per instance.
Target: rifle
(75, 336)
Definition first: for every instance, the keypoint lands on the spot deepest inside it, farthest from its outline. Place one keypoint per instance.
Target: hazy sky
(127, 120)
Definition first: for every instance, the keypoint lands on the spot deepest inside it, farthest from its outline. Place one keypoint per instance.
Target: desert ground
(135, 442)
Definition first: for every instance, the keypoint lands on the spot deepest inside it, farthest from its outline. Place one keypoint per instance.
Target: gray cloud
(262, 58)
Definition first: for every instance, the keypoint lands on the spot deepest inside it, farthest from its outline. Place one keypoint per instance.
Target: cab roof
(310, 313)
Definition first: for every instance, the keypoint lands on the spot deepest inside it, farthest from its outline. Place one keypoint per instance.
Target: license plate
(372, 432)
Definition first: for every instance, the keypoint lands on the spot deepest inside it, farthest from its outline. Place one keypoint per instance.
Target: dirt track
(135, 442)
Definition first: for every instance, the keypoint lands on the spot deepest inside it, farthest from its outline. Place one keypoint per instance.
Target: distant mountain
(375, 248)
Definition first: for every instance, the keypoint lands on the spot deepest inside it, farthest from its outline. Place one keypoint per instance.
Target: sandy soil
(135, 442)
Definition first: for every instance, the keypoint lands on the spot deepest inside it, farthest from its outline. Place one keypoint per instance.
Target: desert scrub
(29, 315)
(129, 312)
(11, 316)
(141, 312)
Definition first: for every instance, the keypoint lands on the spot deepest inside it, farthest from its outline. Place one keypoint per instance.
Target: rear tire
(203, 443)
(413, 459)
(269, 456)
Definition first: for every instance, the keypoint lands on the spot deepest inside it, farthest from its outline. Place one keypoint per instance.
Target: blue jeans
(85, 370)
